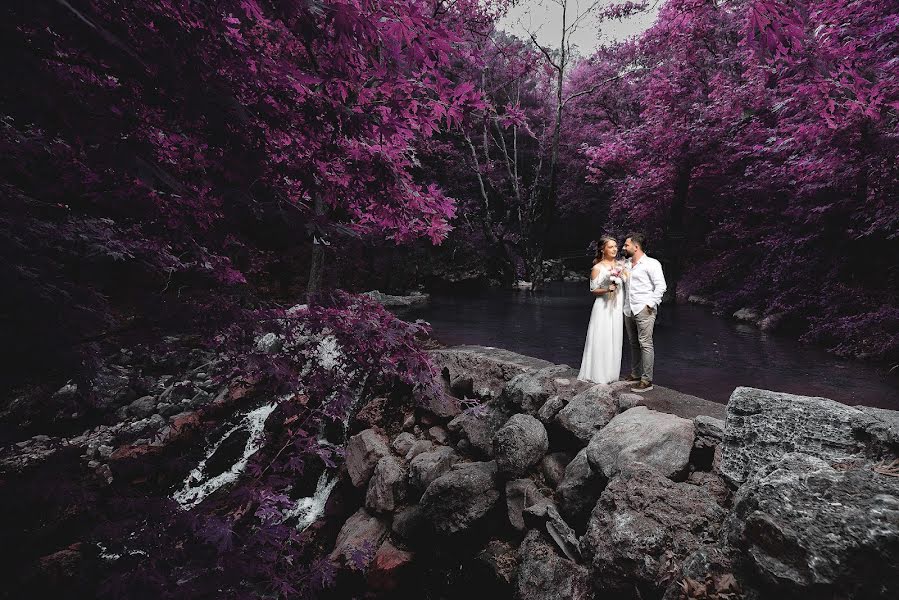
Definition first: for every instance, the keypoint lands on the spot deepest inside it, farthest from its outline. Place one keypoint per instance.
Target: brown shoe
(632, 377)
(643, 386)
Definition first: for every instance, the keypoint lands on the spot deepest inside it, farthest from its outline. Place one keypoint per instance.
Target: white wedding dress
(602, 351)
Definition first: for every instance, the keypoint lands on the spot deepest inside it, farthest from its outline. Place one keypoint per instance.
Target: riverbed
(697, 352)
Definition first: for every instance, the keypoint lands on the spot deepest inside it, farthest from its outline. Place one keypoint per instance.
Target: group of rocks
(579, 490)
(142, 403)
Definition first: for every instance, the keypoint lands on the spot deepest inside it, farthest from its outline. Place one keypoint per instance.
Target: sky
(544, 19)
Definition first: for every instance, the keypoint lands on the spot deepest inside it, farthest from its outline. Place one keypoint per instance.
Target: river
(697, 352)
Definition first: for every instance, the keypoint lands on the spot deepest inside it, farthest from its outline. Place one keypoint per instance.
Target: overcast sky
(544, 19)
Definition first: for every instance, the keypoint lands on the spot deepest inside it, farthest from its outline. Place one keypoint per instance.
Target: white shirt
(644, 286)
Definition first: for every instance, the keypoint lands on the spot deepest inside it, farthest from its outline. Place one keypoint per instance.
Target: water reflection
(696, 352)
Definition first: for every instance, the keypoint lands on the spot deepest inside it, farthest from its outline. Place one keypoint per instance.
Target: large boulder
(519, 444)
(530, 390)
(641, 435)
(359, 539)
(544, 575)
(480, 370)
(762, 426)
(363, 451)
(579, 490)
(428, 466)
(812, 531)
(587, 413)
(643, 526)
(476, 427)
(387, 487)
(459, 499)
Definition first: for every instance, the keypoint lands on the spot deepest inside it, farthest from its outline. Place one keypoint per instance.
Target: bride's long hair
(601, 245)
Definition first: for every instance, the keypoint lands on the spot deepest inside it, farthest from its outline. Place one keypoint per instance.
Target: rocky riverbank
(547, 487)
(519, 482)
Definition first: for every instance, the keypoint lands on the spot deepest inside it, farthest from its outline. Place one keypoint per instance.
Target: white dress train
(602, 350)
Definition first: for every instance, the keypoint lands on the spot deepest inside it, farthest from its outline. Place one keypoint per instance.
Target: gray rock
(142, 407)
(579, 490)
(550, 409)
(626, 401)
(547, 517)
(529, 391)
(521, 494)
(488, 466)
(361, 532)
(701, 301)
(709, 431)
(762, 426)
(408, 421)
(706, 454)
(419, 447)
(643, 527)
(544, 575)
(587, 413)
(879, 429)
(363, 451)
(772, 322)
(713, 484)
(746, 314)
(553, 467)
(387, 487)
(480, 370)
(439, 434)
(519, 444)
(459, 499)
(640, 435)
(403, 443)
(270, 343)
(442, 405)
(813, 531)
(478, 426)
(428, 466)
(409, 524)
(415, 299)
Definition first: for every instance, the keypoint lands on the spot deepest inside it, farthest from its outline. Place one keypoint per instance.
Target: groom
(643, 289)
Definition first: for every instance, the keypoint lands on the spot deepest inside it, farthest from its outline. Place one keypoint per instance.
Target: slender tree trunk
(318, 255)
(676, 239)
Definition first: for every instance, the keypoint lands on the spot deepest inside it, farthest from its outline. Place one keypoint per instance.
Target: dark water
(696, 352)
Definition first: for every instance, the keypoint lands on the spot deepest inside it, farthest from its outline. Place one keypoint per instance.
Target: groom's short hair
(638, 239)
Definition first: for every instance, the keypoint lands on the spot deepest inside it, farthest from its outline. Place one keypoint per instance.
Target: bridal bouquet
(616, 276)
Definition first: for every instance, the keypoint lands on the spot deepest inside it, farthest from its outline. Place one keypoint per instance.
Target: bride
(602, 351)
